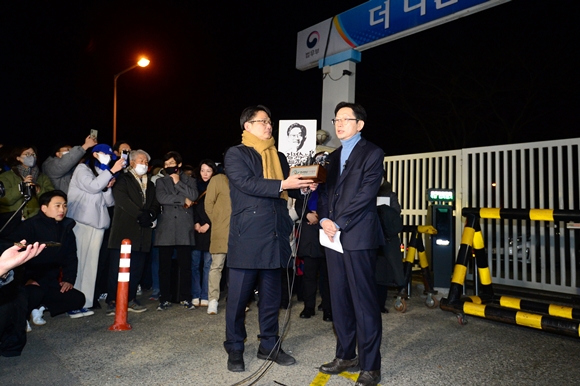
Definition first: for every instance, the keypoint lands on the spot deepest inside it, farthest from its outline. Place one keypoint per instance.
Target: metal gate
(539, 175)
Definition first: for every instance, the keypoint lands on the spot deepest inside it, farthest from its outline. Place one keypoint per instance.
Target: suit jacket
(350, 199)
(260, 226)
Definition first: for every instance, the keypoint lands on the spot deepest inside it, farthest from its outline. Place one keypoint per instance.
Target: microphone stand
(27, 198)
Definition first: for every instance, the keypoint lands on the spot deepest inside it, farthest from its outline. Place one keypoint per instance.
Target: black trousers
(51, 297)
(12, 320)
(315, 268)
(184, 262)
(136, 271)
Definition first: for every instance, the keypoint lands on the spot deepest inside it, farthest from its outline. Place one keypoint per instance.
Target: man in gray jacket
(59, 167)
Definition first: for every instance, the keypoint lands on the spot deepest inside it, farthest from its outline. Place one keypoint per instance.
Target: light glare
(143, 62)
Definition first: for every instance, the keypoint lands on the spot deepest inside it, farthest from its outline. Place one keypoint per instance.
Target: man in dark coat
(348, 204)
(136, 208)
(260, 228)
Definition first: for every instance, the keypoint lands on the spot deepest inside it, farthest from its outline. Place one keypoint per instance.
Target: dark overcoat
(128, 206)
(260, 226)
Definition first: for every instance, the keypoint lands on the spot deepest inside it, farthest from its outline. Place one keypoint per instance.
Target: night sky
(505, 75)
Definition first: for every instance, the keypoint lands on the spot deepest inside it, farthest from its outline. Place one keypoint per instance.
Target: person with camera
(61, 164)
(89, 197)
(23, 181)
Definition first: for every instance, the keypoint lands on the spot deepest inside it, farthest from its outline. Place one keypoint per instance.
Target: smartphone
(94, 133)
(125, 156)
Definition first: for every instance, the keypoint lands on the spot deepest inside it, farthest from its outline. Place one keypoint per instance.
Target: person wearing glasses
(294, 146)
(348, 204)
(24, 179)
(260, 228)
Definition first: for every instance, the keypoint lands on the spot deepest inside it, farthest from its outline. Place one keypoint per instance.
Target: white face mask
(63, 153)
(104, 159)
(140, 169)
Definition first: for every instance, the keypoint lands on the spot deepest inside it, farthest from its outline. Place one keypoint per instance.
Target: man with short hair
(260, 228)
(44, 284)
(347, 203)
(59, 167)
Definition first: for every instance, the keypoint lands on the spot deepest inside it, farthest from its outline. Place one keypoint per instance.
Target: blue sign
(377, 19)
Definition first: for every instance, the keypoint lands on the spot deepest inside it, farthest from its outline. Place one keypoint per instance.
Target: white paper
(381, 200)
(325, 241)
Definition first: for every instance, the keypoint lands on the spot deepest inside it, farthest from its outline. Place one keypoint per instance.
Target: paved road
(180, 347)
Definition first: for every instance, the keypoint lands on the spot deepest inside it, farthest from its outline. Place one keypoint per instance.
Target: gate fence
(538, 175)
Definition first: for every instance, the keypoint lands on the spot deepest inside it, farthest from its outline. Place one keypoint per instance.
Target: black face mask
(171, 170)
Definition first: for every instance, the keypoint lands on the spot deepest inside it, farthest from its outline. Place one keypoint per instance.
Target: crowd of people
(184, 224)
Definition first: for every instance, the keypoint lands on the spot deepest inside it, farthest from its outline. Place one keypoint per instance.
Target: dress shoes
(368, 378)
(277, 355)
(338, 365)
(307, 313)
(327, 316)
(236, 361)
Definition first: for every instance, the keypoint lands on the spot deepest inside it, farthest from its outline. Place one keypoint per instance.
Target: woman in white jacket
(89, 196)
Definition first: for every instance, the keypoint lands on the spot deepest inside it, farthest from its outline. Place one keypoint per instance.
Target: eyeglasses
(28, 155)
(341, 120)
(262, 121)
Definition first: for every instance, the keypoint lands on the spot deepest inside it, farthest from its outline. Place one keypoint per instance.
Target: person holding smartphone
(60, 165)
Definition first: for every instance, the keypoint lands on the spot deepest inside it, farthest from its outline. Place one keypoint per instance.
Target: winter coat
(87, 203)
(128, 206)
(13, 198)
(260, 226)
(175, 223)
(45, 268)
(218, 207)
(60, 170)
(389, 269)
(202, 240)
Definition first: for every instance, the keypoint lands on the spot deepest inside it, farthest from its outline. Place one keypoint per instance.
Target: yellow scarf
(270, 161)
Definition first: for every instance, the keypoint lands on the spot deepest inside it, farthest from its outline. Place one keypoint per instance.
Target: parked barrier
(549, 317)
(416, 245)
(122, 300)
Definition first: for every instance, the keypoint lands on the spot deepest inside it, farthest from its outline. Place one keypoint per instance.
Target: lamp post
(141, 63)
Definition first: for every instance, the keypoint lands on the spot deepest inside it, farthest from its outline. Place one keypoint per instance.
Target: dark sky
(505, 75)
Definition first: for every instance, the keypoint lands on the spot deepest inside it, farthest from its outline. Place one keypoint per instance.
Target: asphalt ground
(422, 346)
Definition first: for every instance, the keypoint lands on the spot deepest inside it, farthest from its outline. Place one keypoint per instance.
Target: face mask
(29, 161)
(140, 169)
(171, 170)
(63, 153)
(104, 159)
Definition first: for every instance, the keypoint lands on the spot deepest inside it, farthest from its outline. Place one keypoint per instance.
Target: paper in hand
(335, 244)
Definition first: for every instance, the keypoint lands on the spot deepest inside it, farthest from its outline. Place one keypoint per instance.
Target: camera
(2, 190)
(27, 189)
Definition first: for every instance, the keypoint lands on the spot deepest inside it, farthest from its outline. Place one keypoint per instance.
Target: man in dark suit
(260, 227)
(348, 204)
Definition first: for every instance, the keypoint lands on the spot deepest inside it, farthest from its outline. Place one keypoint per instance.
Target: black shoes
(307, 313)
(368, 378)
(277, 355)
(338, 365)
(327, 316)
(236, 361)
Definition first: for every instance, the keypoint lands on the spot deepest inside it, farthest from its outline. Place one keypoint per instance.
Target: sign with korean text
(376, 22)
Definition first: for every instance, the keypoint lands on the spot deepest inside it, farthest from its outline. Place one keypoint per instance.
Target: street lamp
(141, 63)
